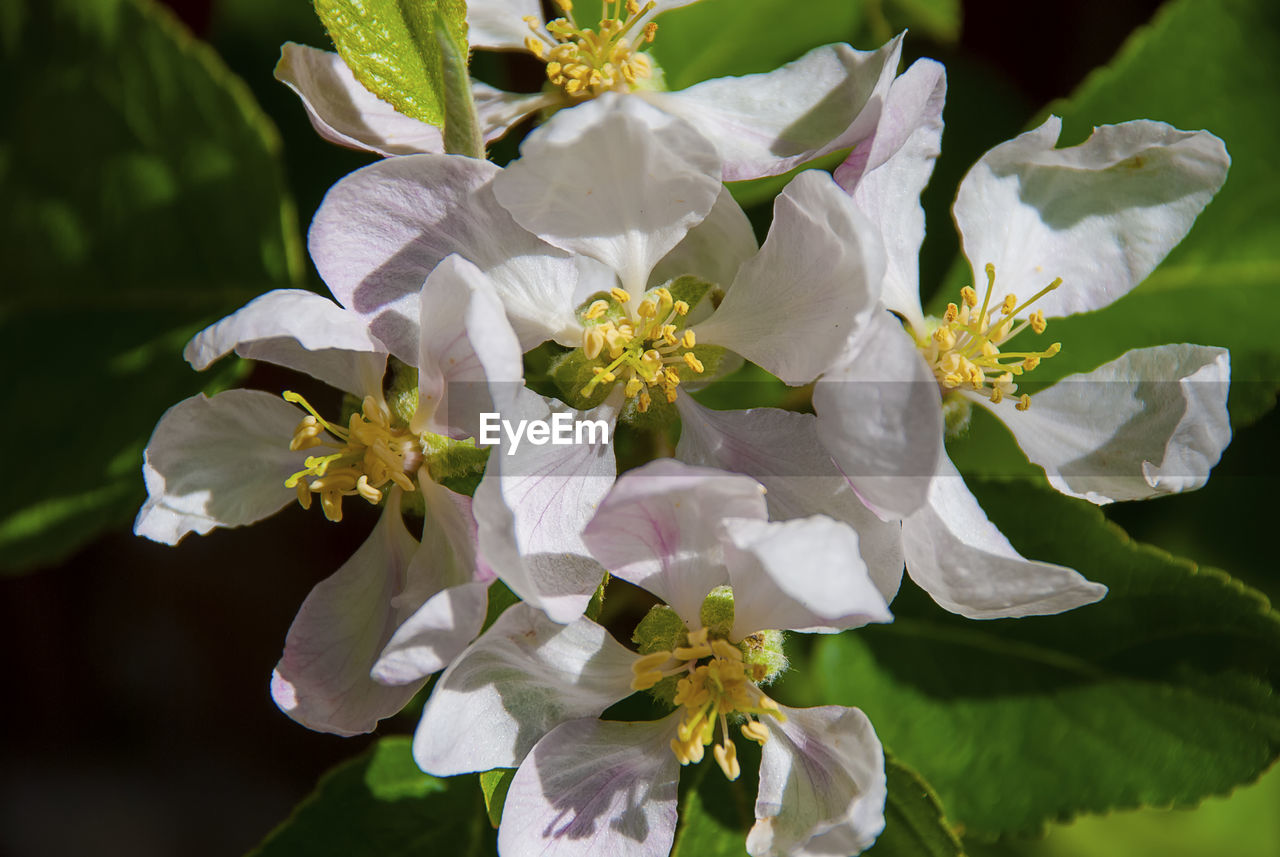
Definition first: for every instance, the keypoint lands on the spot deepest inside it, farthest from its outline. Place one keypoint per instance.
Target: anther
(622, 296)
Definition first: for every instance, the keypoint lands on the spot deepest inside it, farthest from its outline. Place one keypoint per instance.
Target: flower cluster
(612, 253)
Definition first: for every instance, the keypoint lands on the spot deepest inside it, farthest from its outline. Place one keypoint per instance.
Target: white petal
(381, 231)
(821, 772)
(499, 24)
(436, 633)
(781, 450)
(815, 281)
(765, 124)
(1153, 421)
(533, 502)
(592, 788)
(613, 179)
(342, 111)
(522, 677)
(887, 174)
(715, 248)
(219, 462)
(1100, 215)
(301, 330)
(466, 346)
(959, 557)
(880, 417)
(804, 575)
(445, 594)
(659, 529)
(322, 680)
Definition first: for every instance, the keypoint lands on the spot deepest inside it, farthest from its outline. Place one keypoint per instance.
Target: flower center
(369, 453)
(709, 693)
(585, 62)
(964, 350)
(648, 350)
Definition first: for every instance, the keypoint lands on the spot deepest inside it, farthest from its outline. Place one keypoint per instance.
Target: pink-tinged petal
(499, 24)
(814, 283)
(659, 529)
(781, 450)
(714, 249)
(466, 346)
(765, 124)
(967, 565)
(887, 174)
(821, 773)
(535, 499)
(804, 575)
(522, 677)
(219, 462)
(880, 417)
(381, 231)
(322, 680)
(613, 179)
(342, 111)
(445, 596)
(592, 788)
(1100, 215)
(301, 330)
(1153, 421)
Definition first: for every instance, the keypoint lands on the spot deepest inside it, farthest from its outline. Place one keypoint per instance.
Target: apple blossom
(1074, 229)
(529, 691)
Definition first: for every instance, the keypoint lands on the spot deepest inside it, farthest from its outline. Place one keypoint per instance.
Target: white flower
(529, 691)
(242, 455)
(1069, 230)
(761, 124)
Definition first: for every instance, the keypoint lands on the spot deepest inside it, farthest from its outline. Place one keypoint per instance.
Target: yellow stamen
(369, 453)
(965, 350)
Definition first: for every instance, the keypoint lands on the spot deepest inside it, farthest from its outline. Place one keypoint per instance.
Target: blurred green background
(137, 719)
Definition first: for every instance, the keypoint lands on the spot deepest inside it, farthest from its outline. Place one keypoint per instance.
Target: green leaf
(380, 804)
(938, 20)
(914, 823)
(1162, 694)
(715, 38)
(393, 48)
(144, 198)
(1217, 286)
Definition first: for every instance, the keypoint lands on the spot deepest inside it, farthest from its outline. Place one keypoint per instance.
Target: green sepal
(456, 464)
(571, 372)
(693, 290)
(596, 604)
(716, 613)
(494, 785)
(661, 630)
(765, 649)
(394, 49)
(400, 389)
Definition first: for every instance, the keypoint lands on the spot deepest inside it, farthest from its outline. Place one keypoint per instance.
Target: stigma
(965, 353)
(363, 458)
(585, 63)
(648, 350)
(715, 685)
